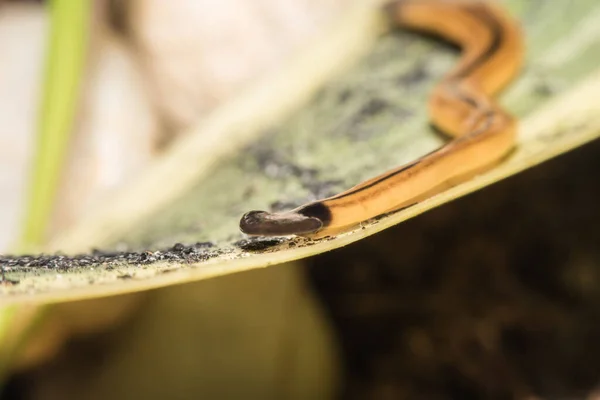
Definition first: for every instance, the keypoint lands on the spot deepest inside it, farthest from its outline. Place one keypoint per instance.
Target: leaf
(363, 121)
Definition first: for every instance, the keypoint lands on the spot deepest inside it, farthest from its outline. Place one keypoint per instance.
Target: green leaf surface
(359, 99)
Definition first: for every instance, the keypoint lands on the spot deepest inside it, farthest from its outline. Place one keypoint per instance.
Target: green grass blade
(65, 64)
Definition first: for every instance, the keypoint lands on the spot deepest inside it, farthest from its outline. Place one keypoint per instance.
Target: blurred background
(128, 78)
(92, 92)
(492, 296)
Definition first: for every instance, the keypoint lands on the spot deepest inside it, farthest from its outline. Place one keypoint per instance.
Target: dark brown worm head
(262, 223)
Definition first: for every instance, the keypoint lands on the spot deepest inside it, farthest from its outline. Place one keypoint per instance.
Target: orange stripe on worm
(461, 106)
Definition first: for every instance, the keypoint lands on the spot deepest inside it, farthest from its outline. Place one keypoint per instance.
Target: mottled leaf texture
(350, 107)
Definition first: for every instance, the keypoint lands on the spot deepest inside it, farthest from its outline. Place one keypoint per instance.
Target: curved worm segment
(461, 106)
(262, 223)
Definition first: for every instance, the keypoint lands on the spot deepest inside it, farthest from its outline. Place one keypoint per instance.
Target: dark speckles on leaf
(258, 243)
(277, 206)
(280, 165)
(413, 77)
(147, 257)
(545, 89)
(249, 192)
(178, 247)
(277, 164)
(298, 171)
(374, 106)
(181, 253)
(344, 95)
(323, 189)
(374, 118)
(544, 85)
